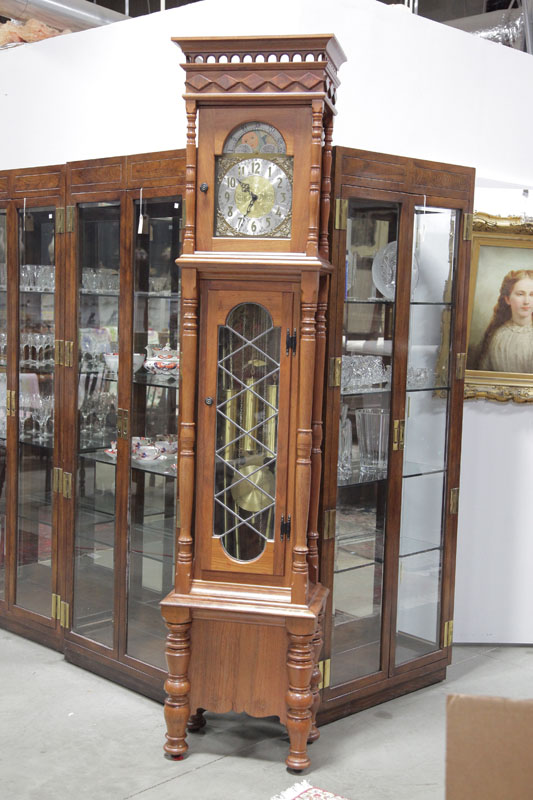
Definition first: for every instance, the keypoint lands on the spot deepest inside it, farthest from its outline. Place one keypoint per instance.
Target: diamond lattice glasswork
(246, 431)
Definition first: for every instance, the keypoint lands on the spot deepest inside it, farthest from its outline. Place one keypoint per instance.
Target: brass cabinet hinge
(448, 633)
(454, 500)
(64, 615)
(71, 218)
(57, 480)
(58, 354)
(460, 366)
(67, 485)
(398, 434)
(325, 671)
(56, 606)
(330, 521)
(11, 403)
(68, 357)
(334, 372)
(468, 227)
(341, 214)
(60, 220)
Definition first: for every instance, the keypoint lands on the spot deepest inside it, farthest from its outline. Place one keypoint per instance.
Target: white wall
(494, 585)
(410, 87)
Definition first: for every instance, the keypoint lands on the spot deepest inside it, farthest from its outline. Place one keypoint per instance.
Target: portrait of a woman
(507, 345)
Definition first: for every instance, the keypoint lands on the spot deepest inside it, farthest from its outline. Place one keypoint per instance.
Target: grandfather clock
(245, 616)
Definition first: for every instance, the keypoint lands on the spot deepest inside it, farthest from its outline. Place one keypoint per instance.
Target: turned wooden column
(300, 662)
(177, 686)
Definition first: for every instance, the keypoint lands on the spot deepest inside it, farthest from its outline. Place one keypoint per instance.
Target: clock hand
(254, 197)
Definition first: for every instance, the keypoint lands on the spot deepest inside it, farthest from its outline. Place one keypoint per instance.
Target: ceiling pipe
(76, 15)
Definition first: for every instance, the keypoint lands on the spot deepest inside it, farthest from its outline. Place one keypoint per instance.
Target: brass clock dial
(254, 196)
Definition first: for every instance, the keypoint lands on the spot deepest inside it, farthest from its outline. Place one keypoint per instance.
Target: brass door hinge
(64, 615)
(454, 500)
(341, 214)
(58, 354)
(325, 671)
(56, 606)
(68, 351)
(460, 366)
(11, 403)
(71, 218)
(57, 480)
(448, 633)
(334, 372)
(60, 220)
(328, 531)
(468, 227)
(398, 434)
(67, 485)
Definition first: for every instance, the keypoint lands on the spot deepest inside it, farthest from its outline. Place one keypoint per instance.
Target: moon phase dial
(254, 196)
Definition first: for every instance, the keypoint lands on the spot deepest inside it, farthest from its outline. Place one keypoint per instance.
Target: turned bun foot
(196, 721)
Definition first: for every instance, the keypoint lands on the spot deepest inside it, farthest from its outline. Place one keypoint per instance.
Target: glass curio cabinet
(90, 396)
(89, 401)
(393, 421)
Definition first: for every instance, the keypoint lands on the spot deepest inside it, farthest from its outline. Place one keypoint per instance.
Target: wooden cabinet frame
(407, 182)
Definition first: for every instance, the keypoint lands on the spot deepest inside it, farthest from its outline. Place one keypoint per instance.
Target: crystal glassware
(373, 436)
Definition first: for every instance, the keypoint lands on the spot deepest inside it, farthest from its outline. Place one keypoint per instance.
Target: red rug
(304, 791)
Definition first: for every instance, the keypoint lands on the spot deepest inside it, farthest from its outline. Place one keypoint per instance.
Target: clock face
(254, 196)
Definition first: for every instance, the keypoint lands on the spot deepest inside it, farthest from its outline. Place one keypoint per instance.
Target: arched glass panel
(246, 431)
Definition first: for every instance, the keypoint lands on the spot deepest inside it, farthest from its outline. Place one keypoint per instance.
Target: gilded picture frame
(500, 246)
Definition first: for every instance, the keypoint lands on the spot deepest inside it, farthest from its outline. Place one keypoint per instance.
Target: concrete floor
(66, 734)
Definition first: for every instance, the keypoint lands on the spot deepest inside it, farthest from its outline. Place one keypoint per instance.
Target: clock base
(253, 661)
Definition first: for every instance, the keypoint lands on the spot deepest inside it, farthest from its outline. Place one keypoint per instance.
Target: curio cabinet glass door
(393, 426)
(127, 398)
(37, 506)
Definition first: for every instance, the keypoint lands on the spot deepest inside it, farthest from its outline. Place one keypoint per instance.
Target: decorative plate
(384, 270)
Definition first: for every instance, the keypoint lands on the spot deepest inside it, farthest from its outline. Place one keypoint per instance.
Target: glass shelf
(160, 466)
(48, 447)
(385, 390)
(146, 379)
(370, 301)
(44, 370)
(413, 547)
(163, 295)
(359, 478)
(34, 290)
(412, 469)
(443, 303)
(107, 293)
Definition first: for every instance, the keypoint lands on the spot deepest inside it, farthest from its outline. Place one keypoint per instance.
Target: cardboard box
(489, 748)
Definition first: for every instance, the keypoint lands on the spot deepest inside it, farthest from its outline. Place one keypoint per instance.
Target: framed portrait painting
(500, 318)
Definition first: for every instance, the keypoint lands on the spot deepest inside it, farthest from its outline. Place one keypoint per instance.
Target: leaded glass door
(243, 411)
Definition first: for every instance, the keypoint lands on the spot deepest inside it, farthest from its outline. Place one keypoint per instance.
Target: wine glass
(87, 409)
(43, 414)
